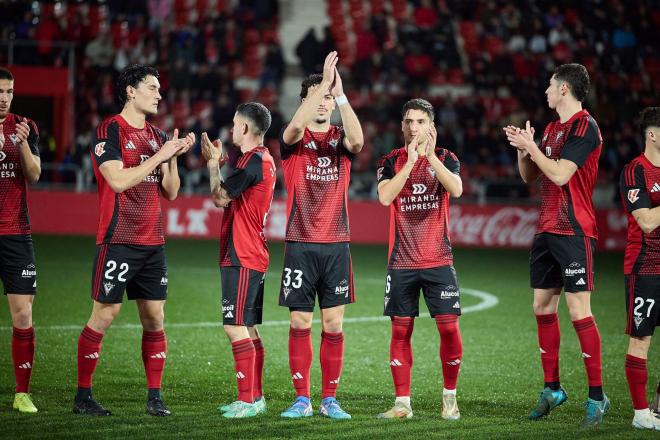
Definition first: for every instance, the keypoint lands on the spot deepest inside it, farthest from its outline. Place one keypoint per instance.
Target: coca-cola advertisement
(496, 226)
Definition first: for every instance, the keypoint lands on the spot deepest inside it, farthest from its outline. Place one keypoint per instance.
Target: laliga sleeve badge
(632, 195)
(99, 149)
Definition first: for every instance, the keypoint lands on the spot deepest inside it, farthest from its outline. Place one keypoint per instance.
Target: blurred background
(483, 65)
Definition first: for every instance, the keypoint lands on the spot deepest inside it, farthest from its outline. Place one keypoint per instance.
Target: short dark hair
(312, 80)
(577, 78)
(419, 104)
(132, 76)
(6, 74)
(649, 117)
(258, 114)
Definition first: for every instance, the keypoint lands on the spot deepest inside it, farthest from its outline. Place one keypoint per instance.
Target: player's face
(414, 122)
(325, 109)
(147, 95)
(238, 130)
(6, 95)
(553, 92)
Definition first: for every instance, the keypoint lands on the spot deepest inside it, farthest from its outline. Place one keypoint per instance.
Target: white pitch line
(488, 300)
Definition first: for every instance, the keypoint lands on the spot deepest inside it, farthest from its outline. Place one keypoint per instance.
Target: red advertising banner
(197, 217)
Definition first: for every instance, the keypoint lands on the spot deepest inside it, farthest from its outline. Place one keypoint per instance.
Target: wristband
(341, 100)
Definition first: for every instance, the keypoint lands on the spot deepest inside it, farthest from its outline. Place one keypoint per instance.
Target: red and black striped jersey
(419, 215)
(251, 186)
(14, 218)
(639, 186)
(133, 216)
(569, 209)
(317, 172)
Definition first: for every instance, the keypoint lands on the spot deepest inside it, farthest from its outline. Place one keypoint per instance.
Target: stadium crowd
(483, 64)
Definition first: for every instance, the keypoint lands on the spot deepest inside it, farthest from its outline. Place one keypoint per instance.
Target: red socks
(22, 352)
(257, 383)
(637, 376)
(89, 348)
(401, 355)
(549, 337)
(154, 352)
(300, 359)
(587, 332)
(244, 354)
(451, 349)
(332, 359)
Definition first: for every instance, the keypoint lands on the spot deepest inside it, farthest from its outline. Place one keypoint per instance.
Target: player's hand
(329, 67)
(22, 131)
(189, 141)
(431, 138)
(522, 139)
(413, 155)
(337, 88)
(213, 151)
(171, 148)
(2, 137)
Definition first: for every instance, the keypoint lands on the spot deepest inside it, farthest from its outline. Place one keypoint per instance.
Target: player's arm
(108, 158)
(171, 182)
(28, 139)
(391, 184)
(559, 172)
(307, 110)
(447, 173)
(636, 200)
(353, 136)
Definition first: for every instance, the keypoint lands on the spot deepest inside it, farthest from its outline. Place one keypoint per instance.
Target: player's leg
(89, 351)
(575, 255)
(336, 289)
(546, 281)
(19, 278)
(402, 306)
(22, 349)
(147, 284)
(643, 317)
(442, 296)
(259, 358)
(298, 293)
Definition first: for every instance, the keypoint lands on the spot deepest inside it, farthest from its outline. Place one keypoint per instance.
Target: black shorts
(18, 271)
(642, 304)
(140, 270)
(316, 268)
(242, 295)
(439, 285)
(562, 261)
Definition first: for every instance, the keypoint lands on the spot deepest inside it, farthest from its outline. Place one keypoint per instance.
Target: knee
(153, 321)
(332, 324)
(543, 308)
(102, 319)
(579, 311)
(22, 316)
(300, 322)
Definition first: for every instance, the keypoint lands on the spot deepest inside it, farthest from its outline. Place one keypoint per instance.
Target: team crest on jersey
(14, 138)
(154, 145)
(632, 195)
(99, 149)
(107, 288)
(2, 155)
(559, 135)
(333, 142)
(431, 171)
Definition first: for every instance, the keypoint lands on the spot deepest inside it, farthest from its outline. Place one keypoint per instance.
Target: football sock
(401, 354)
(89, 350)
(300, 359)
(589, 337)
(451, 349)
(549, 338)
(257, 383)
(154, 352)
(153, 393)
(244, 355)
(332, 359)
(554, 386)
(637, 376)
(22, 353)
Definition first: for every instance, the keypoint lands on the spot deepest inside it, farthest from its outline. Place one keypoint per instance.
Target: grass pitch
(499, 383)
